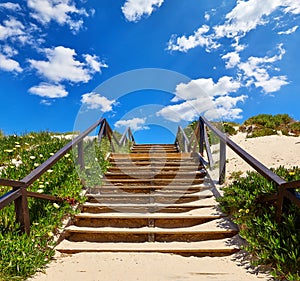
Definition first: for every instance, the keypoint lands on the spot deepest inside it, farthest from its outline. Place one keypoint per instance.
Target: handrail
(200, 135)
(105, 130)
(258, 166)
(36, 173)
(283, 186)
(19, 192)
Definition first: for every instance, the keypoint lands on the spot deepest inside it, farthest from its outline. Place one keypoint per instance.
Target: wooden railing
(19, 192)
(199, 140)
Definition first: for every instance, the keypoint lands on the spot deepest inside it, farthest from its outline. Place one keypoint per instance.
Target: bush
(269, 121)
(271, 243)
(266, 124)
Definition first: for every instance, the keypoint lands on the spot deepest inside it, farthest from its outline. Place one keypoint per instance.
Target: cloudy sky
(225, 59)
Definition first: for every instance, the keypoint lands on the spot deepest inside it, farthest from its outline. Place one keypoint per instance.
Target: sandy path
(145, 267)
(272, 151)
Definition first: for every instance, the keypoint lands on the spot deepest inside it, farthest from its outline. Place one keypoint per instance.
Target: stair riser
(139, 222)
(127, 199)
(143, 210)
(144, 190)
(154, 182)
(154, 176)
(144, 237)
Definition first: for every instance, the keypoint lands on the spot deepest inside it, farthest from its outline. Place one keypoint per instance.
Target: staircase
(154, 199)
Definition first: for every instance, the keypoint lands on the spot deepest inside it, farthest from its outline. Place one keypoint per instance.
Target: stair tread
(198, 203)
(216, 225)
(220, 245)
(201, 194)
(206, 212)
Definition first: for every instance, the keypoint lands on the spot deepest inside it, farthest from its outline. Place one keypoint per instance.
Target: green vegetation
(267, 124)
(22, 255)
(270, 243)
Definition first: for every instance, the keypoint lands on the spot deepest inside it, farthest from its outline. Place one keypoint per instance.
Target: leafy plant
(272, 243)
(267, 124)
(22, 255)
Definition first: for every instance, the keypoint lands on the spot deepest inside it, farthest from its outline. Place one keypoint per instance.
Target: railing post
(201, 137)
(80, 155)
(279, 204)
(222, 163)
(22, 211)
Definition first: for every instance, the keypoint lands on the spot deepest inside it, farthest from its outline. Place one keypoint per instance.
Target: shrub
(295, 128)
(229, 128)
(269, 121)
(271, 243)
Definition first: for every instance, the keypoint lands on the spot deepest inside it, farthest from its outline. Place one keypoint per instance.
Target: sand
(272, 151)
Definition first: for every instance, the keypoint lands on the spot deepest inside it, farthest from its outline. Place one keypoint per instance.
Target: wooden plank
(8, 197)
(12, 183)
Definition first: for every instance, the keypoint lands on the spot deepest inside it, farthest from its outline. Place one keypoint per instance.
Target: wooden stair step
(159, 189)
(136, 220)
(219, 247)
(210, 230)
(181, 181)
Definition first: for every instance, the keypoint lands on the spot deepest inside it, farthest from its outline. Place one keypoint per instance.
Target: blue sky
(227, 60)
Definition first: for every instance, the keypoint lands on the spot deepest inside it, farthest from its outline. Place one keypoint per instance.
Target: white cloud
(11, 28)
(61, 65)
(8, 64)
(183, 44)
(233, 58)
(59, 11)
(10, 6)
(206, 87)
(49, 91)
(292, 6)
(246, 16)
(133, 10)
(243, 18)
(289, 31)
(255, 70)
(94, 63)
(204, 97)
(135, 124)
(187, 110)
(96, 101)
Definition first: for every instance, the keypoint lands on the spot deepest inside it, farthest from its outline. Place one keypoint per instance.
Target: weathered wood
(44, 196)
(22, 211)
(262, 169)
(35, 174)
(11, 183)
(222, 162)
(8, 197)
(207, 148)
(80, 155)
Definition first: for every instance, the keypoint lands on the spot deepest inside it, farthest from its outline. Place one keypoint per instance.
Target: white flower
(32, 157)
(40, 190)
(67, 155)
(36, 164)
(55, 205)
(49, 171)
(16, 162)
